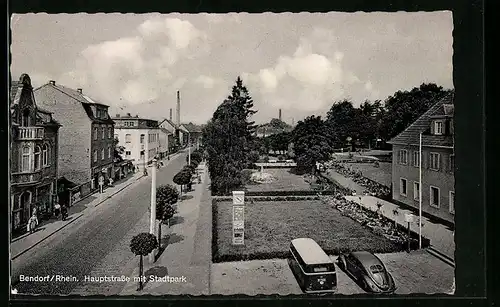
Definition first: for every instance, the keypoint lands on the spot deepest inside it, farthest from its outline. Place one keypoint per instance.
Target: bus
(313, 269)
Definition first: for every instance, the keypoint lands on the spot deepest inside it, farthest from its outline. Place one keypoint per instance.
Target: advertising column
(238, 218)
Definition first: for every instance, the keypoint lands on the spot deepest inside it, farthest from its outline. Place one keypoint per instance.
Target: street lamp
(152, 222)
(189, 148)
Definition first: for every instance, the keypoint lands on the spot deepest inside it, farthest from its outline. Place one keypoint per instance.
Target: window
(26, 159)
(102, 154)
(416, 190)
(403, 156)
(38, 153)
(109, 152)
(127, 153)
(103, 132)
(416, 159)
(434, 197)
(452, 202)
(402, 187)
(110, 132)
(95, 155)
(128, 138)
(45, 154)
(435, 157)
(142, 138)
(116, 136)
(25, 120)
(95, 133)
(452, 163)
(438, 127)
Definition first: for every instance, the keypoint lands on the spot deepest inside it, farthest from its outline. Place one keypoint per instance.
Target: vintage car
(368, 270)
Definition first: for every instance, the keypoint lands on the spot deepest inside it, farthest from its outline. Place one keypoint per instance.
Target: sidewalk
(442, 239)
(25, 242)
(186, 259)
(45, 229)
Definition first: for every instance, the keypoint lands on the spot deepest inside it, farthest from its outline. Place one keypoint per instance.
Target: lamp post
(189, 148)
(152, 225)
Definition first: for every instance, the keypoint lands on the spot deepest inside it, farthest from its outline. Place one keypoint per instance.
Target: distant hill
(275, 126)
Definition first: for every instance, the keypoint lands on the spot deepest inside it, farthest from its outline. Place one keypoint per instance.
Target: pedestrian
(32, 222)
(110, 182)
(57, 209)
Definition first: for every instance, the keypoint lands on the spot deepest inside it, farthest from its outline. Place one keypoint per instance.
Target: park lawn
(270, 226)
(285, 181)
(382, 174)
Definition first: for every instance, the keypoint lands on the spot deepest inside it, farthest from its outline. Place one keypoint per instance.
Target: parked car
(368, 270)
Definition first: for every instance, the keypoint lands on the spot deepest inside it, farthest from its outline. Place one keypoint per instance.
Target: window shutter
(447, 129)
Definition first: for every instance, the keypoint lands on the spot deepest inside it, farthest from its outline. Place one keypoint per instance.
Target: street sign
(238, 225)
(409, 217)
(238, 197)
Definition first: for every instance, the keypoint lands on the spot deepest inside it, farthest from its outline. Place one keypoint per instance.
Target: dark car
(367, 269)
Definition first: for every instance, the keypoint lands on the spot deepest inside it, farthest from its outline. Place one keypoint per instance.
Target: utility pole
(189, 148)
(152, 225)
(420, 192)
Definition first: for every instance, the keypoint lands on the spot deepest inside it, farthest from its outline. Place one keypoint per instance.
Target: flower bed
(373, 188)
(375, 221)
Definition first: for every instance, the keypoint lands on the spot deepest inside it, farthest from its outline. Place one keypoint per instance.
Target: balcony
(26, 178)
(30, 133)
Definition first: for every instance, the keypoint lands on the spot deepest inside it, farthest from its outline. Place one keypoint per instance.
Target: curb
(118, 191)
(60, 228)
(434, 252)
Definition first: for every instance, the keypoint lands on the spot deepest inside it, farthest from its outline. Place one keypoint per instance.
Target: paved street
(77, 249)
(418, 272)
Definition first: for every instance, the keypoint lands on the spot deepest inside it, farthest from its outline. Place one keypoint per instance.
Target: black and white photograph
(220, 154)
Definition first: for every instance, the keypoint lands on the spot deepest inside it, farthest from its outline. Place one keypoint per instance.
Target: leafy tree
(119, 151)
(141, 245)
(404, 107)
(229, 140)
(195, 156)
(312, 143)
(341, 121)
(166, 196)
(182, 177)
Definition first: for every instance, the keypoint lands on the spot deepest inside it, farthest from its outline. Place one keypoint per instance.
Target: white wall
(150, 144)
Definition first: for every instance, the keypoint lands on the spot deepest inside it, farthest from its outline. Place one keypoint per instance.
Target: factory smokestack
(170, 114)
(279, 116)
(178, 119)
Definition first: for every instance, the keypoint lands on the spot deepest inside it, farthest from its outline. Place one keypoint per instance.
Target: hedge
(270, 198)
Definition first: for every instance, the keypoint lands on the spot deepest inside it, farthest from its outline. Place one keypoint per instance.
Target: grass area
(285, 181)
(380, 174)
(270, 226)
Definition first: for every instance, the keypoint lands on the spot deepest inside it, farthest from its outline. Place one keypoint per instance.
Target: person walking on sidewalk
(64, 212)
(57, 209)
(32, 222)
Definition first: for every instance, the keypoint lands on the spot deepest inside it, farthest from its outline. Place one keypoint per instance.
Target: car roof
(310, 251)
(366, 258)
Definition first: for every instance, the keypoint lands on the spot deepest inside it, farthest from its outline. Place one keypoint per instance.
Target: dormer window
(25, 120)
(438, 127)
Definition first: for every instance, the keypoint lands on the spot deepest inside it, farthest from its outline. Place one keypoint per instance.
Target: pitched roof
(192, 127)
(14, 89)
(164, 130)
(410, 136)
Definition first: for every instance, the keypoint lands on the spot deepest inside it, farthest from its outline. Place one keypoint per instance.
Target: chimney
(170, 114)
(52, 82)
(279, 116)
(79, 90)
(178, 109)
(117, 115)
(136, 116)
(128, 114)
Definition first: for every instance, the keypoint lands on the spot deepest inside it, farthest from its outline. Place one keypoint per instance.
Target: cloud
(368, 86)
(206, 81)
(268, 79)
(135, 69)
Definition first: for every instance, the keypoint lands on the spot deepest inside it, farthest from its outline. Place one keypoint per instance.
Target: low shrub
(246, 175)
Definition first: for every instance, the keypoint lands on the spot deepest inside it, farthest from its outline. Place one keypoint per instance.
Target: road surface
(75, 250)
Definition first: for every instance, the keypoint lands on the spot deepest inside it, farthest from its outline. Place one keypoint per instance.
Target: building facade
(140, 138)
(86, 140)
(438, 162)
(33, 155)
(194, 133)
(170, 126)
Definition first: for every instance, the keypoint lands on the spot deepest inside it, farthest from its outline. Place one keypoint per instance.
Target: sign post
(409, 218)
(238, 218)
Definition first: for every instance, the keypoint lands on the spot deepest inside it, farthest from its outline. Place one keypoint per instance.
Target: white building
(139, 136)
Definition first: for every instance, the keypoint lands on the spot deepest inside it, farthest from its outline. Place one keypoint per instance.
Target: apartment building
(438, 162)
(139, 136)
(33, 155)
(86, 141)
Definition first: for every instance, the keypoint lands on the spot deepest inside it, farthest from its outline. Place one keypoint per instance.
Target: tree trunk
(159, 236)
(168, 223)
(140, 273)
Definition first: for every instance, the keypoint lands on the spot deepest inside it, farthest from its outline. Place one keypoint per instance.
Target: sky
(301, 63)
